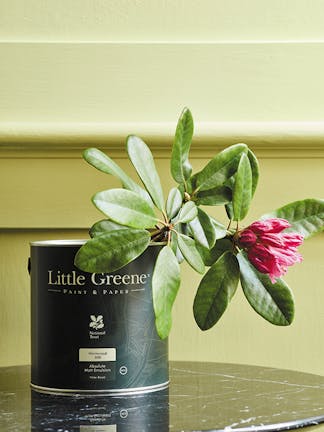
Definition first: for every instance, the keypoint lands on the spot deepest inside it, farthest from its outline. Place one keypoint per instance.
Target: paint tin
(93, 333)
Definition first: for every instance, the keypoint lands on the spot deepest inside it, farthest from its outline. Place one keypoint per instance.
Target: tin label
(107, 428)
(97, 355)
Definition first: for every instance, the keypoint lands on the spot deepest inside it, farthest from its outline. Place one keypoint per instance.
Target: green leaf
(189, 251)
(173, 203)
(126, 208)
(111, 251)
(218, 196)
(242, 192)
(274, 302)
(104, 226)
(165, 285)
(306, 216)
(220, 229)
(210, 256)
(203, 229)
(175, 247)
(220, 168)
(180, 166)
(216, 290)
(254, 169)
(102, 162)
(142, 159)
(187, 213)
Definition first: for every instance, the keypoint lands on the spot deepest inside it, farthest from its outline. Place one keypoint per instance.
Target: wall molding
(56, 97)
(67, 140)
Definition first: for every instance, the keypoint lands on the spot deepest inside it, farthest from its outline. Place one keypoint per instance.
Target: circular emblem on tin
(96, 322)
(123, 413)
(123, 370)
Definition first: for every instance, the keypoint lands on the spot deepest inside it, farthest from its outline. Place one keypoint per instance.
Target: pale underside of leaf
(126, 208)
(188, 249)
(102, 162)
(242, 191)
(165, 285)
(180, 166)
(142, 159)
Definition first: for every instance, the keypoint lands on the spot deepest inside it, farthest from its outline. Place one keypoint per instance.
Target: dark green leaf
(274, 302)
(306, 216)
(165, 285)
(215, 291)
(189, 251)
(111, 251)
(220, 168)
(103, 163)
(104, 226)
(180, 166)
(203, 229)
(213, 197)
(126, 208)
(173, 203)
(210, 256)
(143, 161)
(242, 191)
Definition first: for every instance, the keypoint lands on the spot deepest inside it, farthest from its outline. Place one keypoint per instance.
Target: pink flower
(269, 249)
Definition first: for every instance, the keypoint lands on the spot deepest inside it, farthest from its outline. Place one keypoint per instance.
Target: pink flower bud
(269, 249)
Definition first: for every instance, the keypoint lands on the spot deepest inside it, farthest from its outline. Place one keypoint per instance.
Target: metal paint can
(93, 333)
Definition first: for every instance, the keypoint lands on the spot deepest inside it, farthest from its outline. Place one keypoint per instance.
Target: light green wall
(80, 73)
(163, 20)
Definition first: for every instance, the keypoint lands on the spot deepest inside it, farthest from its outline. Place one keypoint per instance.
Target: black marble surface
(201, 397)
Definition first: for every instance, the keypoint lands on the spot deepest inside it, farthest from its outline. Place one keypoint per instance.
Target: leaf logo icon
(96, 323)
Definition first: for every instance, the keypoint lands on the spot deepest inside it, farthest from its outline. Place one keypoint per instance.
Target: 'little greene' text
(74, 279)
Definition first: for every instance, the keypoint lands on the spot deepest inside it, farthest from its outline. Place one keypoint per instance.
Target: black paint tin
(93, 333)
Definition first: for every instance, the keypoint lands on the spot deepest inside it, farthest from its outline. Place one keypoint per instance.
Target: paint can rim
(73, 242)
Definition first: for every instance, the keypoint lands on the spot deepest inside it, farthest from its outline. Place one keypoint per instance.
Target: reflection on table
(201, 397)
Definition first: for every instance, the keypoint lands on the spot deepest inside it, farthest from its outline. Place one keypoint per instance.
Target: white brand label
(106, 428)
(97, 355)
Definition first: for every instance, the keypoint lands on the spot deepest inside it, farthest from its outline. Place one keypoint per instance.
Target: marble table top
(201, 397)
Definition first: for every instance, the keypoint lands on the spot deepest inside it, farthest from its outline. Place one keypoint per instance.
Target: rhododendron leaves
(215, 291)
(103, 163)
(104, 226)
(306, 216)
(187, 213)
(174, 202)
(180, 166)
(273, 301)
(165, 285)
(213, 197)
(189, 251)
(126, 208)
(142, 159)
(254, 169)
(111, 251)
(210, 256)
(203, 229)
(242, 190)
(220, 168)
